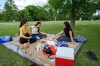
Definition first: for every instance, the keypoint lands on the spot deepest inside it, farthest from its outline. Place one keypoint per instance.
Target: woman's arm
(35, 32)
(59, 33)
(70, 33)
(21, 35)
(28, 30)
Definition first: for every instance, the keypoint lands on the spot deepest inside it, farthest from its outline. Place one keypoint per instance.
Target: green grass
(90, 30)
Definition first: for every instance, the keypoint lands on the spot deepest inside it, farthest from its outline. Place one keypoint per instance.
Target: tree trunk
(72, 19)
(80, 18)
(55, 15)
(55, 18)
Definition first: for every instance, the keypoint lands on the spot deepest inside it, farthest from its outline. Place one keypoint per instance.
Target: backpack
(91, 55)
(49, 51)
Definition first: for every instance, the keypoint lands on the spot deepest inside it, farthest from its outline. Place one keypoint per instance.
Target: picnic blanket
(31, 53)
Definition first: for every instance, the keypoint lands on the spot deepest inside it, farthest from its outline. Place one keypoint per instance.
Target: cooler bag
(64, 56)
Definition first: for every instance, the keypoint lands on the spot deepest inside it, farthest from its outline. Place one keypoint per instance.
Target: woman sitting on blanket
(25, 37)
(36, 31)
(68, 32)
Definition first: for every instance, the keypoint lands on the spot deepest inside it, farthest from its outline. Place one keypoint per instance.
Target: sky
(21, 4)
(2, 2)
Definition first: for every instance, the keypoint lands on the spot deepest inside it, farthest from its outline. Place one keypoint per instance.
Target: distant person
(68, 32)
(25, 37)
(36, 31)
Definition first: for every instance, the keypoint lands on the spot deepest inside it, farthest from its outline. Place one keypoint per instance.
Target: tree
(75, 8)
(37, 13)
(33, 11)
(10, 10)
(73, 13)
(86, 9)
(42, 13)
(55, 4)
(82, 8)
(24, 14)
(50, 11)
(0, 16)
(55, 9)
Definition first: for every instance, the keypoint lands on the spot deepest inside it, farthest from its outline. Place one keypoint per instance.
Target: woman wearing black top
(68, 32)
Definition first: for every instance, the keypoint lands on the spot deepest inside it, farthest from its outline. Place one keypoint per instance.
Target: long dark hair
(68, 28)
(67, 25)
(37, 23)
(38, 27)
(23, 22)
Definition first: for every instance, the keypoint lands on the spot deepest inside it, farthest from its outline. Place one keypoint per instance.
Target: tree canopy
(53, 10)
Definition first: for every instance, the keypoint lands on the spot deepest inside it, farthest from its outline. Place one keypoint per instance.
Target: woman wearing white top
(36, 31)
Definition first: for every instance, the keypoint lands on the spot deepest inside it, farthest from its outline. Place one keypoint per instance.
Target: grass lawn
(90, 30)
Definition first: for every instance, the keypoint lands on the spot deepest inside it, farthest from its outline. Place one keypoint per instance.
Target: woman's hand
(57, 35)
(35, 33)
(54, 36)
(30, 33)
(73, 43)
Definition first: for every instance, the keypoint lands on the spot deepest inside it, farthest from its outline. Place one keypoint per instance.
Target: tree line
(31, 12)
(53, 10)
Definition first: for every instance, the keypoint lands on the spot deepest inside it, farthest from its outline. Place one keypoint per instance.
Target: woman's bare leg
(21, 46)
(26, 45)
